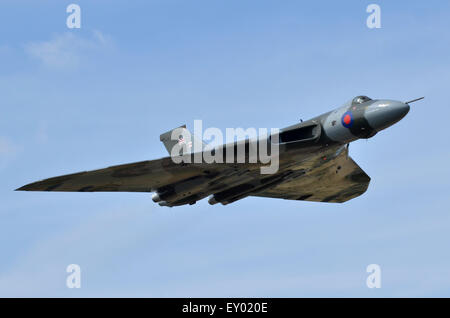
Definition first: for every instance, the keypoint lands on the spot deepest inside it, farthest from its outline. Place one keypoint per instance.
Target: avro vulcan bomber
(313, 163)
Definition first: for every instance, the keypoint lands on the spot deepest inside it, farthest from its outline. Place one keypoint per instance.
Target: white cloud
(7, 147)
(8, 151)
(66, 50)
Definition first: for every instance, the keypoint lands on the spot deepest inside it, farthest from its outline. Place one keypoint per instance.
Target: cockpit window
(360, 99)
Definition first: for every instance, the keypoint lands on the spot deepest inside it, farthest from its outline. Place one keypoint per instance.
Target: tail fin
(181, 138)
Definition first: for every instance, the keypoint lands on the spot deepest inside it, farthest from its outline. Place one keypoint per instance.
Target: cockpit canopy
(360, 99)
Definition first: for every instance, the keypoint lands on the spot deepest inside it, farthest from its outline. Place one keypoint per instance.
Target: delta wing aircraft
(313, 160)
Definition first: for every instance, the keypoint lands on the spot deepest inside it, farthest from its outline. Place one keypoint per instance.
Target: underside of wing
(337, 180)
(144, 176)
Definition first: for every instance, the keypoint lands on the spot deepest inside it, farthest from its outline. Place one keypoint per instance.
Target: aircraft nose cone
(385, 113)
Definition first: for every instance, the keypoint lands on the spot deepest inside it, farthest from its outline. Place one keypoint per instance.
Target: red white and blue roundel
(347, 119)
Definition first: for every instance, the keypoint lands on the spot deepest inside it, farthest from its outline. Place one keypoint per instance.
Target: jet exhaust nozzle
(165, 203)
(156, 198)
(212, 200)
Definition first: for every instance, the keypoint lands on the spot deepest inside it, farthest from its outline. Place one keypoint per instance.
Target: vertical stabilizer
(182, 139)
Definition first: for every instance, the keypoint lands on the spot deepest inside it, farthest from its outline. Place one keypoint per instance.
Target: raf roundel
(347, 119)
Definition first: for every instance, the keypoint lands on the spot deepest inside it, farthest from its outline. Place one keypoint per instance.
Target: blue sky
(75, 100)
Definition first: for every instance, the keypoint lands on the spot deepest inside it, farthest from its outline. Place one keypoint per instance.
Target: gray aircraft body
(314, 164)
